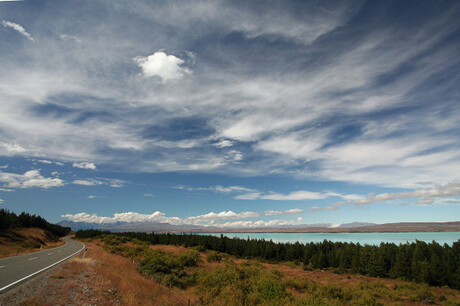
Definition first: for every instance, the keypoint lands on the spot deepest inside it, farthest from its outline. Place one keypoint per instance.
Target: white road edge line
(30, 275)
(32, 258)
(2, 267)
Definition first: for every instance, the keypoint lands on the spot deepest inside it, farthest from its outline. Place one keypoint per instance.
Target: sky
(230, 113)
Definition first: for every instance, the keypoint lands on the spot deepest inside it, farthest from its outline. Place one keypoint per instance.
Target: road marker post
(83, 257)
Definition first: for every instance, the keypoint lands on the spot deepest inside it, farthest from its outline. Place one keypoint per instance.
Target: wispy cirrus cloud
(292, 211)
(427, 196)
(18, 28)
(115, 183)
(273, 99)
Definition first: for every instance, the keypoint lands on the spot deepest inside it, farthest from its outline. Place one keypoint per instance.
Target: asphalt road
(16, 269)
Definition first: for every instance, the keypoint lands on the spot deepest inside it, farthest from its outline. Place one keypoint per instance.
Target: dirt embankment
(26, 240)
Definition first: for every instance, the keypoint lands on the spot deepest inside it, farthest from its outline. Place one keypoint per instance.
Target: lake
(362, 238)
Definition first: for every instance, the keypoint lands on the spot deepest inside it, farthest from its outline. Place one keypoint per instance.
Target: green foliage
(9, 220)
(246, 284)
(421, 262)
(213, 256)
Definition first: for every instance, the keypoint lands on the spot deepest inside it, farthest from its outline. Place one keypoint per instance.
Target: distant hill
(131, 226)
(355, 225)
(302, 228)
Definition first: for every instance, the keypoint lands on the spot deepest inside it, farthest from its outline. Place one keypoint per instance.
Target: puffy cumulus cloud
(19, 28)
(292, 211)
(84, 165)
(30, 179)
(427, 196)
(206, 219)
(261, 223)
(166, 67)
(115, 183)
(210, 219)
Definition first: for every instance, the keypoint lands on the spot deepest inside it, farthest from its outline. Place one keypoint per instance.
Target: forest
(421, 262)
(9, 220)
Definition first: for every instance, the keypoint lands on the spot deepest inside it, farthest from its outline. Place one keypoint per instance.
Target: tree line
(9, 220)
(430, 263)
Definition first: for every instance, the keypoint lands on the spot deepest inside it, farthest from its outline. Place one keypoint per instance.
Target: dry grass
(103, 278)
(133, 288)
(25, 240)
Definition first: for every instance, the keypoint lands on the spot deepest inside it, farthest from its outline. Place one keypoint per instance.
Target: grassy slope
(26, 240)
(303, 287)
(107, 279)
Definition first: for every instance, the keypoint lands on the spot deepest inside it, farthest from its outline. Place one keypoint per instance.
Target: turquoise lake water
(362, 238)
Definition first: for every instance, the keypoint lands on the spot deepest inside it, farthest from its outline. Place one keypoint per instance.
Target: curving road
(16, 269)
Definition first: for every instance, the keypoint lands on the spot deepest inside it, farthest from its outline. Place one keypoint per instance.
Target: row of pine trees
(431, 263)
(9, 220)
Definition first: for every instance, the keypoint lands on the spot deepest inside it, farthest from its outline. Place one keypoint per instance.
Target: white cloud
(17, 27)
(230, 189)
(87, 182)
(84, 165)
(4, 167)
(95, 197)
(451, 189)
(248, 196)
(30, 179)
(206, 219)
(292, 211)
(69, 37)
(224, 215)
(424, 202)
(167, 67)
(115, 183)
(217, 188)
(10, 149)
(148, 195)
(6, 189)
(293, 196)
(1, 201)
(44, 161)
(223, 143)
(290, 115)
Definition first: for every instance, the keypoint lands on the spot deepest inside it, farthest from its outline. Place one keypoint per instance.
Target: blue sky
(230, 113)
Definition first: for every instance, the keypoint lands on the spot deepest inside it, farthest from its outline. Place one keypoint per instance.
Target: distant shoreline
(380, 228)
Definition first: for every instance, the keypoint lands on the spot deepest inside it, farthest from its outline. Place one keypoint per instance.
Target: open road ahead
(16, 269)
